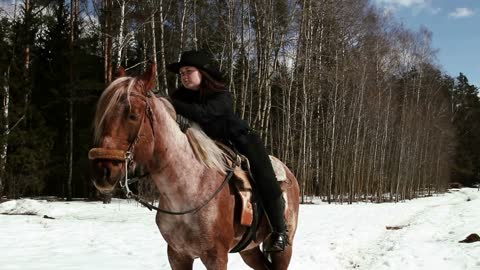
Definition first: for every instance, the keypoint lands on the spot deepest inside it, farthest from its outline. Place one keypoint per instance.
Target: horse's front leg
(215, 259)
(179, 261)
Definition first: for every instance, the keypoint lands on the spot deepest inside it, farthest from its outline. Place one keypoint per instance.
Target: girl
(204, 99)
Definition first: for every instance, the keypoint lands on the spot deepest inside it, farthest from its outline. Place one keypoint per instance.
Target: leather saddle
(244, 184)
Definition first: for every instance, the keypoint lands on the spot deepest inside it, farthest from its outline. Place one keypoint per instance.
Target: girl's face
(190, 77)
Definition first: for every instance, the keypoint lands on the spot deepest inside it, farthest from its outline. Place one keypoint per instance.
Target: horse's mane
(109, 98)
(205, 149)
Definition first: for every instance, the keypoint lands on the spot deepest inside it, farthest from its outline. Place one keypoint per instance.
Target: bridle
(127, 157)
(148, 112)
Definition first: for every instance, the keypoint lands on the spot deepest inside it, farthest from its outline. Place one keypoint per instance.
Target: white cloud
(404, 3)
(436, 10)
(461, 13)
(417, 6)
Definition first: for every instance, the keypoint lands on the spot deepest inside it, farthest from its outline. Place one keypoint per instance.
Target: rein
(150, 206)
(127, 157)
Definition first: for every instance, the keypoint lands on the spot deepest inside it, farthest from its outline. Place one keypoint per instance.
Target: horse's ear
(149, 77)
(120, 72)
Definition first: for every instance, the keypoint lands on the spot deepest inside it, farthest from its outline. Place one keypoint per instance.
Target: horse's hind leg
(179, 261)
(255, 259)
(281, 260)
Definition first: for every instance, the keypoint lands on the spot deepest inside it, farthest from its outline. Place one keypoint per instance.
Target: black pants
(251, 146)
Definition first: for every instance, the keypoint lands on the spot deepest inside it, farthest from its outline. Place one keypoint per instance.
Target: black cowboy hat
(199, 59)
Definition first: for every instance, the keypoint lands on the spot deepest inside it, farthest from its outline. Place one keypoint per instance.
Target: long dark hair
(210, 85)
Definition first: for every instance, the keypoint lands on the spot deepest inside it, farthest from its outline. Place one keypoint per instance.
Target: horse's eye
(132, 116)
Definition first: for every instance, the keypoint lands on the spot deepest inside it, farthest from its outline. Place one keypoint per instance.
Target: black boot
(265, 182)
(278, 239)
(277, 242)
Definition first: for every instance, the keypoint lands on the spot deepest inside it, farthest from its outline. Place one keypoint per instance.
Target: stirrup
(277, 242)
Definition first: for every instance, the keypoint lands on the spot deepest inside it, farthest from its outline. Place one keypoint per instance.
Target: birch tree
(5, 88)
(5, 127)
(107, 10)
(74, 13)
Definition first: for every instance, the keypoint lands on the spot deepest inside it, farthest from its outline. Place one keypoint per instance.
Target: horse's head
(124, 128)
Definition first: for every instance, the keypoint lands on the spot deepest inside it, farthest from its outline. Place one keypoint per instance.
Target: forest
(350, 99)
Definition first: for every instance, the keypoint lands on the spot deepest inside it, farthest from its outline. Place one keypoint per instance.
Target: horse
(135, 129)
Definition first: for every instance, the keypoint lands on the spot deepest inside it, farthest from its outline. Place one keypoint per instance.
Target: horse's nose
(106, 174)
(106, 163)
(106, 170)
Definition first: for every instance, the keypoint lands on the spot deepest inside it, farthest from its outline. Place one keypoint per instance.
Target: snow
(123, 235)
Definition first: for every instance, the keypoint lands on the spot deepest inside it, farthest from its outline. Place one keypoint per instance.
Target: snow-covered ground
(123, 235)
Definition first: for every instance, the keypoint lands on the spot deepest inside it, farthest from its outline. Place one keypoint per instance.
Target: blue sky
(455, 25)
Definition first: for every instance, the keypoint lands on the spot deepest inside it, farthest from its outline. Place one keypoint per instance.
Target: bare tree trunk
(154, 53)
(385, 161)
(5, 116)
(121, 27)
(107, 40)
(144, 49)
(182, 31)
(244, 61)
(28, 15)
(231, 50)
(333, 134)
(163, 89)
(70, 147)
(320, 148)
(5, 128)
(73, 23)
(182, 27)
(357, 145)
(195, 40)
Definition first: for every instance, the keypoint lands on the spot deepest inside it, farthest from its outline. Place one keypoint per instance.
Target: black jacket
(214, 113)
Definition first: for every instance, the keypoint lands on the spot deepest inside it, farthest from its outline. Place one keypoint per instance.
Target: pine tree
(466, 108)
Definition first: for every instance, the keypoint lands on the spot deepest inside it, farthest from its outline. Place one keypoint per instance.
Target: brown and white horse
(129, 118)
